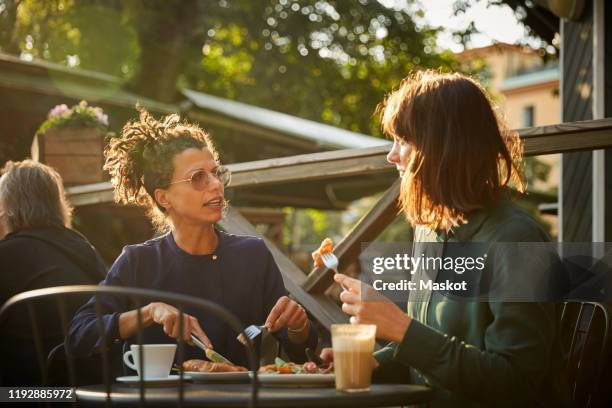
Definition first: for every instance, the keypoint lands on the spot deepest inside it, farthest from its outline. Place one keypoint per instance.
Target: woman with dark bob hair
(456, 161)
(172, 169)
(39, 250)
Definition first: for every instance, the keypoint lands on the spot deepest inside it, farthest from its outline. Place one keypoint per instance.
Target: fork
(251, 332)
(331, 262)
(265, 342)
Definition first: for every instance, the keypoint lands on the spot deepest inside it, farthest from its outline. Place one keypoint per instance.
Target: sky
(496, 23)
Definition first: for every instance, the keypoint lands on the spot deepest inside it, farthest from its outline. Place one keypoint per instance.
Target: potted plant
(72, 141)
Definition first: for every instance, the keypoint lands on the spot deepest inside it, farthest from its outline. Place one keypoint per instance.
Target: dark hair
(31, 196)
(140, 160)
(463, 154)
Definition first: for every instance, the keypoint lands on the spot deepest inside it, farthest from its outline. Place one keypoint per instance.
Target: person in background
(172, 170)
(38, 250)
(456, 159)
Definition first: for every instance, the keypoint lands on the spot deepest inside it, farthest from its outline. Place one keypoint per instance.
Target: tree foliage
(326, 60)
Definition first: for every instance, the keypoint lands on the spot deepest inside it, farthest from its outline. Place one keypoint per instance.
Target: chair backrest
(585, 339)
(136, 296)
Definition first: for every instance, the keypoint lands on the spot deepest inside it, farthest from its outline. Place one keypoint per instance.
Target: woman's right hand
(168, 316)
(327, 356)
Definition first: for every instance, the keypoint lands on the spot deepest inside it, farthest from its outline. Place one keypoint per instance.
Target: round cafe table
(238, 395)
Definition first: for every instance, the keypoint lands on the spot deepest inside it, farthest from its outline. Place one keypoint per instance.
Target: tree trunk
(164, 39)
(8, 18)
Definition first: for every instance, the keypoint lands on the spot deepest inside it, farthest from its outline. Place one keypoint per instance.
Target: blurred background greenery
(324, 60)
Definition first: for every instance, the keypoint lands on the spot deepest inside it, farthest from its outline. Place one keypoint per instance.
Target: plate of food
(207, 371)
(283, 373)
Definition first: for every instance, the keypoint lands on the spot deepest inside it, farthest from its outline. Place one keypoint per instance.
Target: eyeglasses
(199, 178)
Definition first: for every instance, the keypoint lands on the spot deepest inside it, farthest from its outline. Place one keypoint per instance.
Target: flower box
(76, 153)
(72, 141)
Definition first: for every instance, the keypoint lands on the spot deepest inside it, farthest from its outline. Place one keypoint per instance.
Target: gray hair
(32, 195)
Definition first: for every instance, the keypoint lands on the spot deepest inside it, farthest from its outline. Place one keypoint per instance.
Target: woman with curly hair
(456, 161)
(172, 169)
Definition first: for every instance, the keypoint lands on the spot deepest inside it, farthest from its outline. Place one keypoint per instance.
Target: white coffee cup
(157, 359)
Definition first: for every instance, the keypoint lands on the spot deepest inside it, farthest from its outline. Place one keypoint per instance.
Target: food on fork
(326, 247)
(204, 366)
(282, 367)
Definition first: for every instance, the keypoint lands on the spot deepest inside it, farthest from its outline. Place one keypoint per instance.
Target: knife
(211, 354)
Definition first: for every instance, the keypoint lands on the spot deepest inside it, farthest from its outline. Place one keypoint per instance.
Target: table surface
(238, 395)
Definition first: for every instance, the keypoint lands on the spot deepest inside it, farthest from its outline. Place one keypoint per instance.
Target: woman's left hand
(287, 312)
(367, 306)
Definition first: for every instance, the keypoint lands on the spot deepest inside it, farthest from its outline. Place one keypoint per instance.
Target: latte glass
(353, 345)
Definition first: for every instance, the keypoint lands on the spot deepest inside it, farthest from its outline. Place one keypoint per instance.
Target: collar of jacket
(475, 220)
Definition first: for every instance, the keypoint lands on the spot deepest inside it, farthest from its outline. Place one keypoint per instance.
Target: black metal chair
(87, 368)
(585, 339)
(136, 296)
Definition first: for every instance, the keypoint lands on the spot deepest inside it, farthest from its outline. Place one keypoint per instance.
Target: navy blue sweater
(241, 275)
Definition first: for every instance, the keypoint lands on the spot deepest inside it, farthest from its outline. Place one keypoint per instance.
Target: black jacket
(33, 259)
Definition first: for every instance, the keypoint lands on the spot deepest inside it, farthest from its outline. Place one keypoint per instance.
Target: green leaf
(279, 362)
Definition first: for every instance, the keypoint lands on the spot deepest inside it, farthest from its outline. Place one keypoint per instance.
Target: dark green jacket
(483, 353)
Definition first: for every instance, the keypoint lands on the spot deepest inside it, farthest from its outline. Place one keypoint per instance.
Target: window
(528, 116)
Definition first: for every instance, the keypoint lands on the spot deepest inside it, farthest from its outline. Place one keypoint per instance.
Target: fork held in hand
(251, 333)
(331, 262)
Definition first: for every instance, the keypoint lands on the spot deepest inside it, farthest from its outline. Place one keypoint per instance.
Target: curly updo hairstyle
(139, 161)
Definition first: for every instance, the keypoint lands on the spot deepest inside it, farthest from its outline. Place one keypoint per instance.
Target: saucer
(134, 380)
